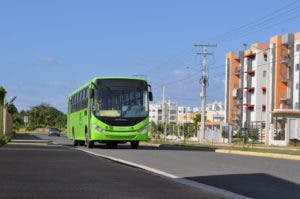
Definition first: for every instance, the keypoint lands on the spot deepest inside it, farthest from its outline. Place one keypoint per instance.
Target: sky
(49, 48)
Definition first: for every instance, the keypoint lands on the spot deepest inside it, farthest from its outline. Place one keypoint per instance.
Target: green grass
(277, 151)
(236, 148)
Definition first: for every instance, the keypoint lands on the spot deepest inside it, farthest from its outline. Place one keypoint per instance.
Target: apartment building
(254, 87)
(262, 89)
(283, 100)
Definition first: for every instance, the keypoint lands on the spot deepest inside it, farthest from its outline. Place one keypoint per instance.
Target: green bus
(109, 110)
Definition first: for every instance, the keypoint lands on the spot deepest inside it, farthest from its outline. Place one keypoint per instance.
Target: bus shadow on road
(256, 185)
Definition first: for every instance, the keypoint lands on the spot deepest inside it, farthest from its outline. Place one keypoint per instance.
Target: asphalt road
(256, 177)
(31, 171)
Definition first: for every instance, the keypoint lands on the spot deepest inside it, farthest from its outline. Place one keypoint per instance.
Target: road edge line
(203, 187)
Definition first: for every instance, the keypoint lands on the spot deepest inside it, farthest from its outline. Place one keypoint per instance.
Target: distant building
(184, 114)
(215, 112)
(156, 112)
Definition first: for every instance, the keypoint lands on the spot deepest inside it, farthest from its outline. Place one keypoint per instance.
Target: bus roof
(105, 77)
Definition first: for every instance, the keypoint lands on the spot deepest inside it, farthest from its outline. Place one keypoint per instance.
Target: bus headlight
(97, 128)
(143, 128)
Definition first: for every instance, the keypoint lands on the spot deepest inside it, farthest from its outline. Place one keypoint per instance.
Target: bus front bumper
(119, 136)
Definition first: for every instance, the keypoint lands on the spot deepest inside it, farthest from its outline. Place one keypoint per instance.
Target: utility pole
(204, 84)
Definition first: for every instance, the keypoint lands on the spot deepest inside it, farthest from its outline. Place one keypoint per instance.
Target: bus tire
(90, 144)
(134, 144)
(75, 142)
(108, 145)
(81, 143)
(114, 145)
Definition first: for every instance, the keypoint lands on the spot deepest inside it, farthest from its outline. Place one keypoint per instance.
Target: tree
(197, 119)
(44, 116)
(2, 95)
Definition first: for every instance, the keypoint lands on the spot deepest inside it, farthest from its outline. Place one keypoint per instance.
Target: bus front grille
(121, 137)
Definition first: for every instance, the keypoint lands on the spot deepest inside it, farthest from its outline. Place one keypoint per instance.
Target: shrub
(4, 139)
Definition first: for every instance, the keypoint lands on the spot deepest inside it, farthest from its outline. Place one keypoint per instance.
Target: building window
(298, 67)
(298, 48)
(297, 86)
(264, 73)
(263, 108)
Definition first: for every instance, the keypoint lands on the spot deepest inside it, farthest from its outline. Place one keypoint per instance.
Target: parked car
(54, 131)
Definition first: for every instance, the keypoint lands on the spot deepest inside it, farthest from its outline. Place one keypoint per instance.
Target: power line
(259, 23)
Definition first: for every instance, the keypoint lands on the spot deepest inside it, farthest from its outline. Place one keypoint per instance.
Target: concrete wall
(7, 122)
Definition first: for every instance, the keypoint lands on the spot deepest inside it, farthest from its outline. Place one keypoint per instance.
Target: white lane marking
(203, 187)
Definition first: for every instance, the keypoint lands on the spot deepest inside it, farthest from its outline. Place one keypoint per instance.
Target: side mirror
(150, 96)
(91, 92)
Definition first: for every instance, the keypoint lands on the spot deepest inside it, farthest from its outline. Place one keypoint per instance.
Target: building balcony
(265, 54)
(285, 59)
(285, 79)
(236, 119)
(237, 103)
(285, 100)
(249, 106)
(250, 72)
(249, 54)
(237, 71)
(249, 89)
(237, 93)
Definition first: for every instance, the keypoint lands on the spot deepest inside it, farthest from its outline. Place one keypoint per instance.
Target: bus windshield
(121, 98)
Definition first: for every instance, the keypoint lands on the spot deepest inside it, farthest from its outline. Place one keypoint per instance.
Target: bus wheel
(90, 144)
(81, 143)
(75, 142)
(134, 144)
(108, 145)
(114, 145)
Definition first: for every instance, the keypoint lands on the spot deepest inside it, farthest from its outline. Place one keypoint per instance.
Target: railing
(249, 89)
(250, 72)
(285, 78)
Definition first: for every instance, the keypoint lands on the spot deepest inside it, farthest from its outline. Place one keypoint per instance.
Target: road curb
(203, 187)
(149, 144)
(28, 141)
(259, 154)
